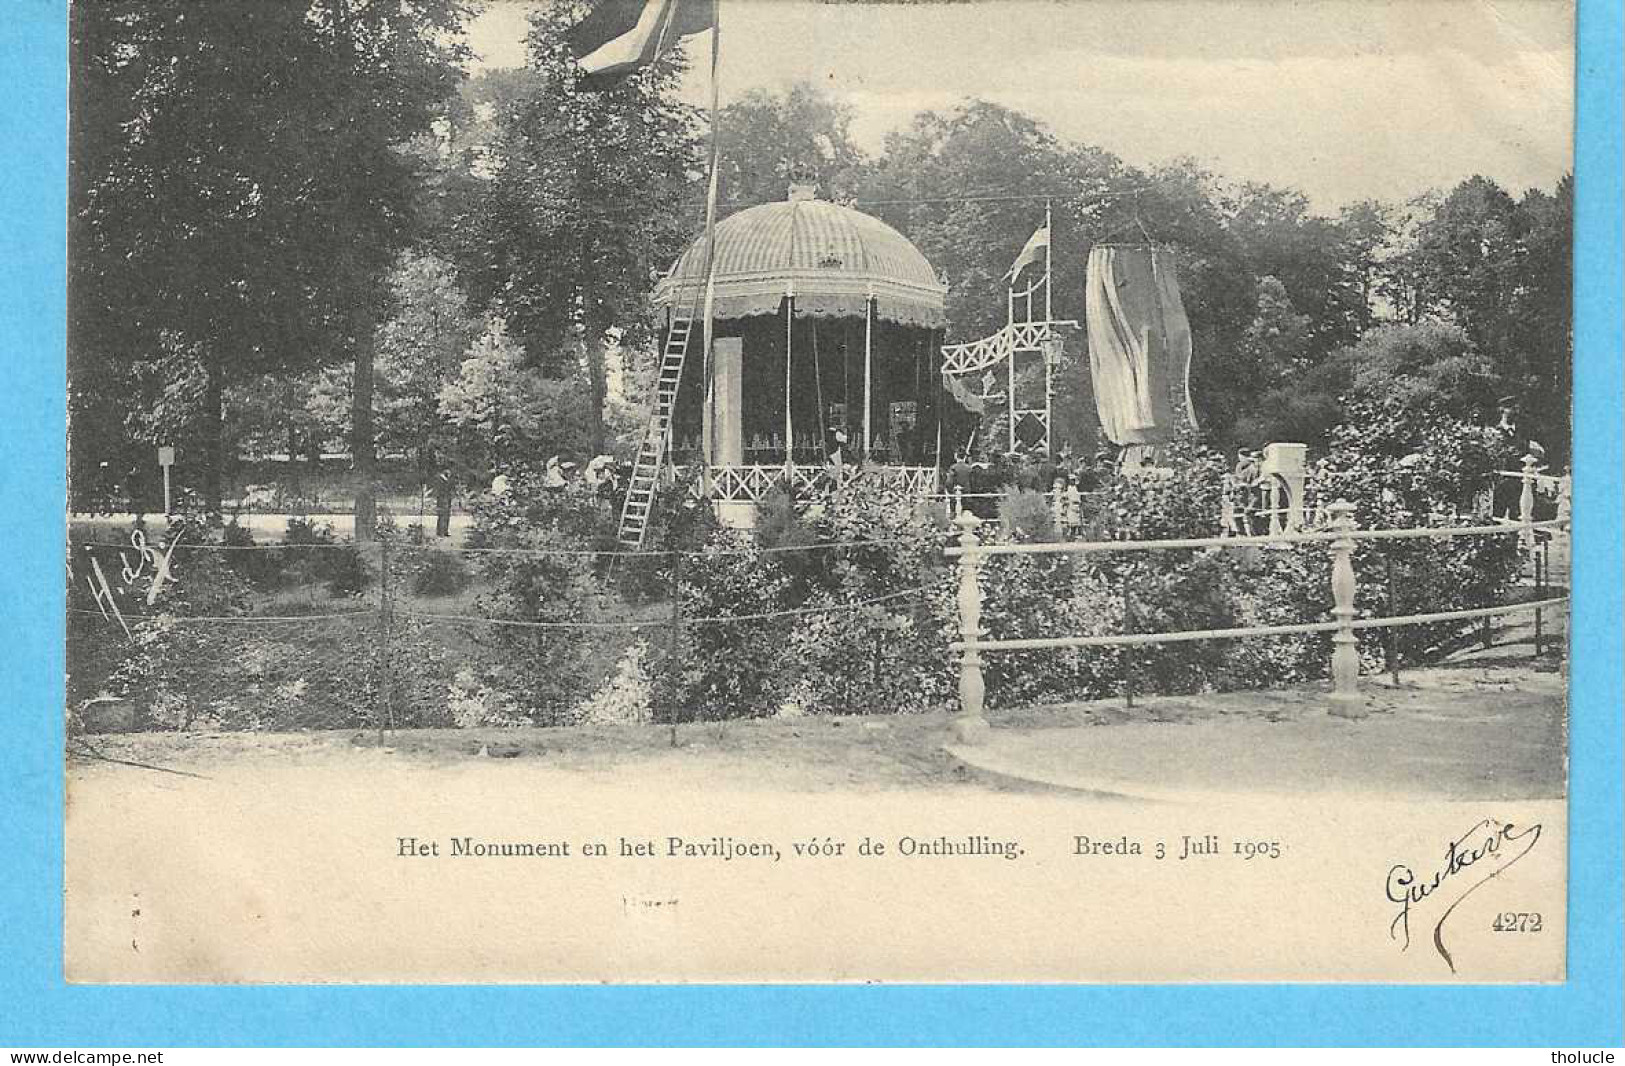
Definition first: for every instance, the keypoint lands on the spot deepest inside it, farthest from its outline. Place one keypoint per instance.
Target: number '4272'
(1516, 922)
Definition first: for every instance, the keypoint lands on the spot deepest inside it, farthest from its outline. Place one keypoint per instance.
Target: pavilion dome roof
(829, 257)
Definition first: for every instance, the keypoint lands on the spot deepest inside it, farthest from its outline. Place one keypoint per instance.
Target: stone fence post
(1526, 504)
(1345, 648)
(970, 726)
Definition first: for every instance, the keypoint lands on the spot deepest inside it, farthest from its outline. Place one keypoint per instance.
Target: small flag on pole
(1031, 252)
(621, 36)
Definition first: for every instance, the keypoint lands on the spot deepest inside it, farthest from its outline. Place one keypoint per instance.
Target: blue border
(37, 1008)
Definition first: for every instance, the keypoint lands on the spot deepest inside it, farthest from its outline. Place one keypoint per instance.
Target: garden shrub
(627, 697)
(679, 523)
(841, 653)
(1025, 517)
(472, 704)
(1274, 587)
(725, 669)
(260, 566)
(318, 557)
(205, 584)
(1044, 596)
(553, 576)
(871, 542)
(1402, 471)
(429, 571)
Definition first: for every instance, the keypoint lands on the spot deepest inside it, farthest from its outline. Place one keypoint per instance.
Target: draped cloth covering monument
(1139, 348)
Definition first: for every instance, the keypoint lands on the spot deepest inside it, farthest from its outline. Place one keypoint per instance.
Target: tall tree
(1467, 260)
(768, 140)
(237, 193)
(510, 413)
(393, 66)
(420, 349)
(1500, 268)
(968, 186)
(584, 195)
(1543, 325)
(1315, 259)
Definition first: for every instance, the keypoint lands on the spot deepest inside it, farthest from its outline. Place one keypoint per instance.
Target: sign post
(166, 459)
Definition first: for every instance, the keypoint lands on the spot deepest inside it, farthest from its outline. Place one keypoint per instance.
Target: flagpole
(1049, 241)
(710, 259)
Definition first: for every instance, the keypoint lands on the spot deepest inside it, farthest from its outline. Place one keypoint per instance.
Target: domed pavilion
(824, 364)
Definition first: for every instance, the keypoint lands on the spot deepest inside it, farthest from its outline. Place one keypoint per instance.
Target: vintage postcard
(785, 490)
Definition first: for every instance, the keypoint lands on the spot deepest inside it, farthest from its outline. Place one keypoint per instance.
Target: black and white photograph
(818, 490)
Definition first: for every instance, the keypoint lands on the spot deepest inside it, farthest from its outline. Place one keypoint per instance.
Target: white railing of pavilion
(752, 484)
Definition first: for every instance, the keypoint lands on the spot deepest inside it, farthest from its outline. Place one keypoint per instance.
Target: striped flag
(621, 36)
(1035, 246)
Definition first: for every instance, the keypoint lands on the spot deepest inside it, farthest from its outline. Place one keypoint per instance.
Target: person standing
(837, 457)
(553, 480)
(1046, 470)
(1247, 475)
(1071, 510)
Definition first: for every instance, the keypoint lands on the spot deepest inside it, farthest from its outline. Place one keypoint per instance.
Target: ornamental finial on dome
(803, 191)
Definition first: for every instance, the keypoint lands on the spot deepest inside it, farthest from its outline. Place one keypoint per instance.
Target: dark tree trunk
(598, 378)
(214, 443)
(442, 506)
(292, 484)
(363, 457)
(363, 453)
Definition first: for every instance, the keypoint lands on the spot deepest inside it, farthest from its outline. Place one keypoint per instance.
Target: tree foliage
(768, 140)
(245, 178)
(236, 192)
(579, 201)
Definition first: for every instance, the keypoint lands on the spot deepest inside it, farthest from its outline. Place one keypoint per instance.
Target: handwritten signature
(102, 591)
(1484, 852)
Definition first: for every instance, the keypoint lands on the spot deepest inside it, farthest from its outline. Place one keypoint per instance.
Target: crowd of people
(1064, 478)
(602, 477)
(1253, 499)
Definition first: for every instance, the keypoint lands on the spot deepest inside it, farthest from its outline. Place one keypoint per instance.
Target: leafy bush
(864, 572)
(205, 584)
(472, 704)
(319, 558)
(1401, 470)
(878, 556)
(1177, 500)
(550, 575)
(724, 668)
(1045, 596)
(628, 696)
(1159, 591)
(262, 568)
(679, 523)
(430, 571)
(1025, 516)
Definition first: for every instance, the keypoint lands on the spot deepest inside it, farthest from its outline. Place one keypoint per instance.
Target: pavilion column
(933, 369)
(1012, 399)
(728, 419)
(868, 374)
(728, 401)
(789, 422)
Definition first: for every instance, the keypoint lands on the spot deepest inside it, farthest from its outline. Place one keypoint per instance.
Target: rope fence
(724, 619)
(617, 553)
(385, 595)
(385, 652)
(1257, 540)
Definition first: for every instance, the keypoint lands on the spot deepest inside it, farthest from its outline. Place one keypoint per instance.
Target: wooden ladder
(640, 491)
